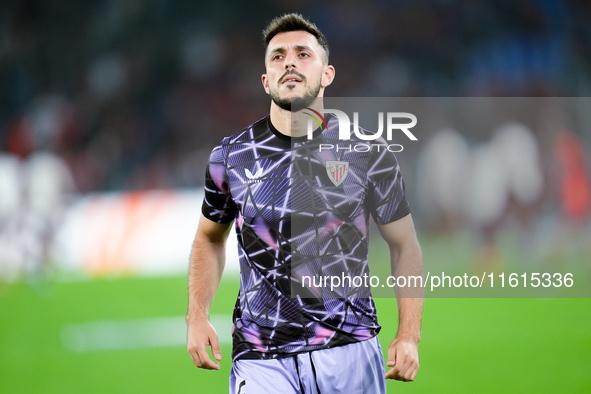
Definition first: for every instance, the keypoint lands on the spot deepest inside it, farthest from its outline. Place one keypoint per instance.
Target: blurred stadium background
(110, 108)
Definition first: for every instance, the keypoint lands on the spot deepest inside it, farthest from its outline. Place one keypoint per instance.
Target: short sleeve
(218, 205)
(386, 198)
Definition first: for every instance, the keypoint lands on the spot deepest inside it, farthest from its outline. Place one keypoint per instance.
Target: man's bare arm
(208, 257)
(406, 260)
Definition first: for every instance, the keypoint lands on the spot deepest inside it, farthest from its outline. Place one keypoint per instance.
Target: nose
(290, 60)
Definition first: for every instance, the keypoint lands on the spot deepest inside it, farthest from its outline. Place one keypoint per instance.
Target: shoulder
(247, 134)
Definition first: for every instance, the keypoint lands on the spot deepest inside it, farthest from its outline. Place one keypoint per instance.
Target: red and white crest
(337, 171)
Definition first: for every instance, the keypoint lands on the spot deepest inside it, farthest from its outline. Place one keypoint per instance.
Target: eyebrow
(297, 48)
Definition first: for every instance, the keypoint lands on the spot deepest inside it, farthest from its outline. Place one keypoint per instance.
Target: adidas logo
(253, 178)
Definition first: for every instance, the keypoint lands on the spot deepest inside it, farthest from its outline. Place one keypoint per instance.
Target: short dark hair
(293, 22)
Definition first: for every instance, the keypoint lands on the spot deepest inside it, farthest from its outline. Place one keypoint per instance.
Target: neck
(281, 119)
(294, 124)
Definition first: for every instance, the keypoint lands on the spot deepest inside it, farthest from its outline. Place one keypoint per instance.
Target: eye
(304, 54)
(277, 57)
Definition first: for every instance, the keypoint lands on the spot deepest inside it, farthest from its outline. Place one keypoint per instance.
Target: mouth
(291, 79)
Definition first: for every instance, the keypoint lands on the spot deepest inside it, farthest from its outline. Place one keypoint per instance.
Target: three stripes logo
(337, 171)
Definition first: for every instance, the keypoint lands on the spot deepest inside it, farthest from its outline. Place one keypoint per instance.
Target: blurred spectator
(443, 165)
(575, 184)
(33, 193)
(9, 208)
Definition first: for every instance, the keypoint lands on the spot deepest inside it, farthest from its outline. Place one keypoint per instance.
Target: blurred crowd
(510, 183)
(132, 94)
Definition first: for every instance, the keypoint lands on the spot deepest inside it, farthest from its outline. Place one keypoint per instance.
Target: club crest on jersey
(337, 171)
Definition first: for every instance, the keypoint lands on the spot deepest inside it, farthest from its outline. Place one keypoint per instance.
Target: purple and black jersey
(301, 209)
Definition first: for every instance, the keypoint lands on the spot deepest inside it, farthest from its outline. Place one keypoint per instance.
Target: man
(292, 220)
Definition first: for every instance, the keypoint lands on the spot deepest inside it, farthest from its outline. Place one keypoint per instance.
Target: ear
(265, 81)
(327, 76)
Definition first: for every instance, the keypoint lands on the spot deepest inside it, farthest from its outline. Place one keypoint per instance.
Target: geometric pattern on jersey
(292, 221)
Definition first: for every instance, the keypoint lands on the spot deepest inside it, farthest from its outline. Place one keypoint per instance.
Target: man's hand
(403, 356)
(201, 334)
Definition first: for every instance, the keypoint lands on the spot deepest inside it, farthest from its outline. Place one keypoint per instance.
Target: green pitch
(469, 345)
